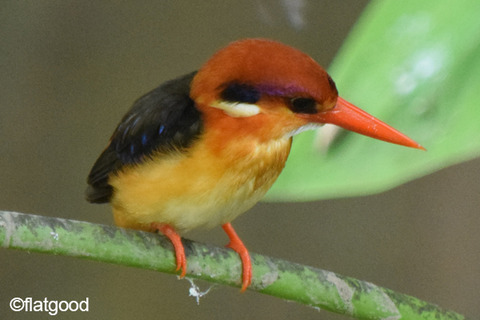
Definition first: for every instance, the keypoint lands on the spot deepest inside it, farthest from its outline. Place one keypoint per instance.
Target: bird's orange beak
(349, 117)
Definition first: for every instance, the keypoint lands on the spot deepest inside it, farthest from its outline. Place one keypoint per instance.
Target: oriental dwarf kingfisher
(205, 147)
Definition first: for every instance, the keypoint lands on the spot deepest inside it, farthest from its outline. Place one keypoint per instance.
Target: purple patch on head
(285, 91)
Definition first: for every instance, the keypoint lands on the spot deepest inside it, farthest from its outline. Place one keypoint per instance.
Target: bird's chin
(306, 127)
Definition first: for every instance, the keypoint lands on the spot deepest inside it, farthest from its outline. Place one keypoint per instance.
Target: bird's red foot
(169, 232)
(237, 245)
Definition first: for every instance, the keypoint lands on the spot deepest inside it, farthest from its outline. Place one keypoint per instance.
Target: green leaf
(413, 64)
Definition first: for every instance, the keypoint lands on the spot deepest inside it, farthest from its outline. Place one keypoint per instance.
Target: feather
(162, 121)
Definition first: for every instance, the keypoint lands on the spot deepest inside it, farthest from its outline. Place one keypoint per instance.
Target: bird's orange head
(268, 89)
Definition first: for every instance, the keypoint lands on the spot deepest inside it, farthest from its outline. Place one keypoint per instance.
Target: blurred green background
(70, 70)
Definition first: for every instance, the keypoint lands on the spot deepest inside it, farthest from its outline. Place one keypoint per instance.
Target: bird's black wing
(163, 120)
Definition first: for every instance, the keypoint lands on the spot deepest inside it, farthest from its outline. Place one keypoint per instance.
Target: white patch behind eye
(236, 109)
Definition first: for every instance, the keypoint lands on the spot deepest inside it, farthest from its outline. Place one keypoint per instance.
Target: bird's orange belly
(199, 189)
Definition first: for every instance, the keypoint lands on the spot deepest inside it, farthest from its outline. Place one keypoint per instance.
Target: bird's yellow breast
(209, 185)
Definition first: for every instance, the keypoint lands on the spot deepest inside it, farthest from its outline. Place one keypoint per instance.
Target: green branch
(283, 279)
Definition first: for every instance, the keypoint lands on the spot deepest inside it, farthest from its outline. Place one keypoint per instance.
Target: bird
(203, 148)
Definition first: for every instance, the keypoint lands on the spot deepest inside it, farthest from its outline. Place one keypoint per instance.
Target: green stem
(283, 279)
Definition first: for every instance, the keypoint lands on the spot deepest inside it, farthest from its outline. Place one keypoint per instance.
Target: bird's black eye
(239, 92)
(303, 105)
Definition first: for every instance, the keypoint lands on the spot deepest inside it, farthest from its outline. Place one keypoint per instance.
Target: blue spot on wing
(144, 139)
(161, 129)
(163, 120)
